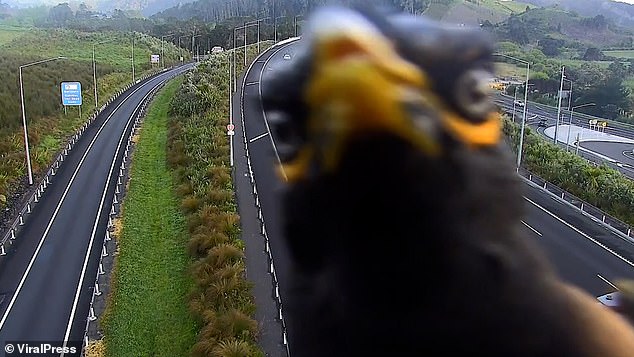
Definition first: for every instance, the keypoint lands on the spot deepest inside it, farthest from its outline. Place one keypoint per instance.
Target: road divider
(115, 208)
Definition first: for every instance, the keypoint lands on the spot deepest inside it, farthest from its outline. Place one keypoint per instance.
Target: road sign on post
(71, 93)
(154, 58)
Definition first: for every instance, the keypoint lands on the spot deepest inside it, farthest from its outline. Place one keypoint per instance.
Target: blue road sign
(71, 93)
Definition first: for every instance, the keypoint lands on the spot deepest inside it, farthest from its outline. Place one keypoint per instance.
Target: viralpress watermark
(42, 348)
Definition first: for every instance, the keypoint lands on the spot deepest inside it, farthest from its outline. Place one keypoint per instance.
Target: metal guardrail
(263, 232)
(21, 217)
(614, 224)
(565, 112)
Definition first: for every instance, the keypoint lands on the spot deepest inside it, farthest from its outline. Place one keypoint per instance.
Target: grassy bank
(199, 154)
(147, 312)
(48, 125)
(601, 186)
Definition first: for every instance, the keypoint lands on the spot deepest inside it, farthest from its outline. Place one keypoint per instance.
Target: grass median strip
(147, 313)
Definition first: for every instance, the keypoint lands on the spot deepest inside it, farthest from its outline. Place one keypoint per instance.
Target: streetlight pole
(528, 70)
(251, 23)
(245, 44)
(230, 116)
(133, 78)
(514, 101)
(295, 23)
(162, 52)
(561, 88)
(94, 68)
(570, 124)
(275, 26)
(180, 49)
(193, 41)
(26, 136)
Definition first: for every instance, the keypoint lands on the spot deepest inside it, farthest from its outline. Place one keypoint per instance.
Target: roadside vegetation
(48, 124)
(600, 186)
(146, 313)
(221, 300)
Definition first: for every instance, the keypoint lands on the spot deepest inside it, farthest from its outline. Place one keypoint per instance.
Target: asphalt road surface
(536, 112)
(582, 251)
(46, 280)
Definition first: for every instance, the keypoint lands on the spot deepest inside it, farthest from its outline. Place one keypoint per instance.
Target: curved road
(584, 253)
(46, 280)
(606, 150)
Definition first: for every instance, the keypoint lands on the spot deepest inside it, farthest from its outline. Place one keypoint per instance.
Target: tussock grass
(199, 155)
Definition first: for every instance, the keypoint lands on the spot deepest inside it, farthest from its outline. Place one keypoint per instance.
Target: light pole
(295, 21)
(257, 22)
(275, 27)
(133, 79)
(514, 101)
(528, 70)
(230, 115)
(572, 110)
(243, 27)
(162, 52)
(180, 49)
(26, 137)
(561, 88)
(94, 67)
(193, 41)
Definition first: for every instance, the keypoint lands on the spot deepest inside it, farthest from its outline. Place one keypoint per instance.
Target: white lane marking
(258, 137)
(59, 205)
(266, 122)
(94, 228)
(531, 228)
(607, 281)
(580, 232)
(251, 83)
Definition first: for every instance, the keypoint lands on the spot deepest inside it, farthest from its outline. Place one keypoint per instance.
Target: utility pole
(133, 78)
(245, 44)
(561, 88)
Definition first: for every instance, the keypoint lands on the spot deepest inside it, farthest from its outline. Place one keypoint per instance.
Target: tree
(60, 14)
(83, 12)
(593, 54)
(517, 30)
(617, 69)
(551, 46)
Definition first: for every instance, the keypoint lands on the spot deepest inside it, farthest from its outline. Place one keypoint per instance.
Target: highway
(47, 277)
(594, 148)
(583, 252)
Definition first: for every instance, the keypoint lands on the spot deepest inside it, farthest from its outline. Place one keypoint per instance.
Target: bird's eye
(287, 134)
(473, 94)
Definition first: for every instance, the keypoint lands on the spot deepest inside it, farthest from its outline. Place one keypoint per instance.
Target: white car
(519, 103)
(287, 56)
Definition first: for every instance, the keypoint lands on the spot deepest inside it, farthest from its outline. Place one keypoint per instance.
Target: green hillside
(474, 12)
(554, 23)
(48, 123)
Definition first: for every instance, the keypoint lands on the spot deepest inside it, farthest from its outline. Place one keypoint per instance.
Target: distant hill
(563, 28)
(145, 7)
(619, 12)
(474, 12)
(471, 12)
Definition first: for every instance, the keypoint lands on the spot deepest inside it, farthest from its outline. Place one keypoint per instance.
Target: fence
(619, 227)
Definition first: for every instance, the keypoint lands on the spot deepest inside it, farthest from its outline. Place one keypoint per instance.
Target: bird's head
(389, 118)
(360, 77)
